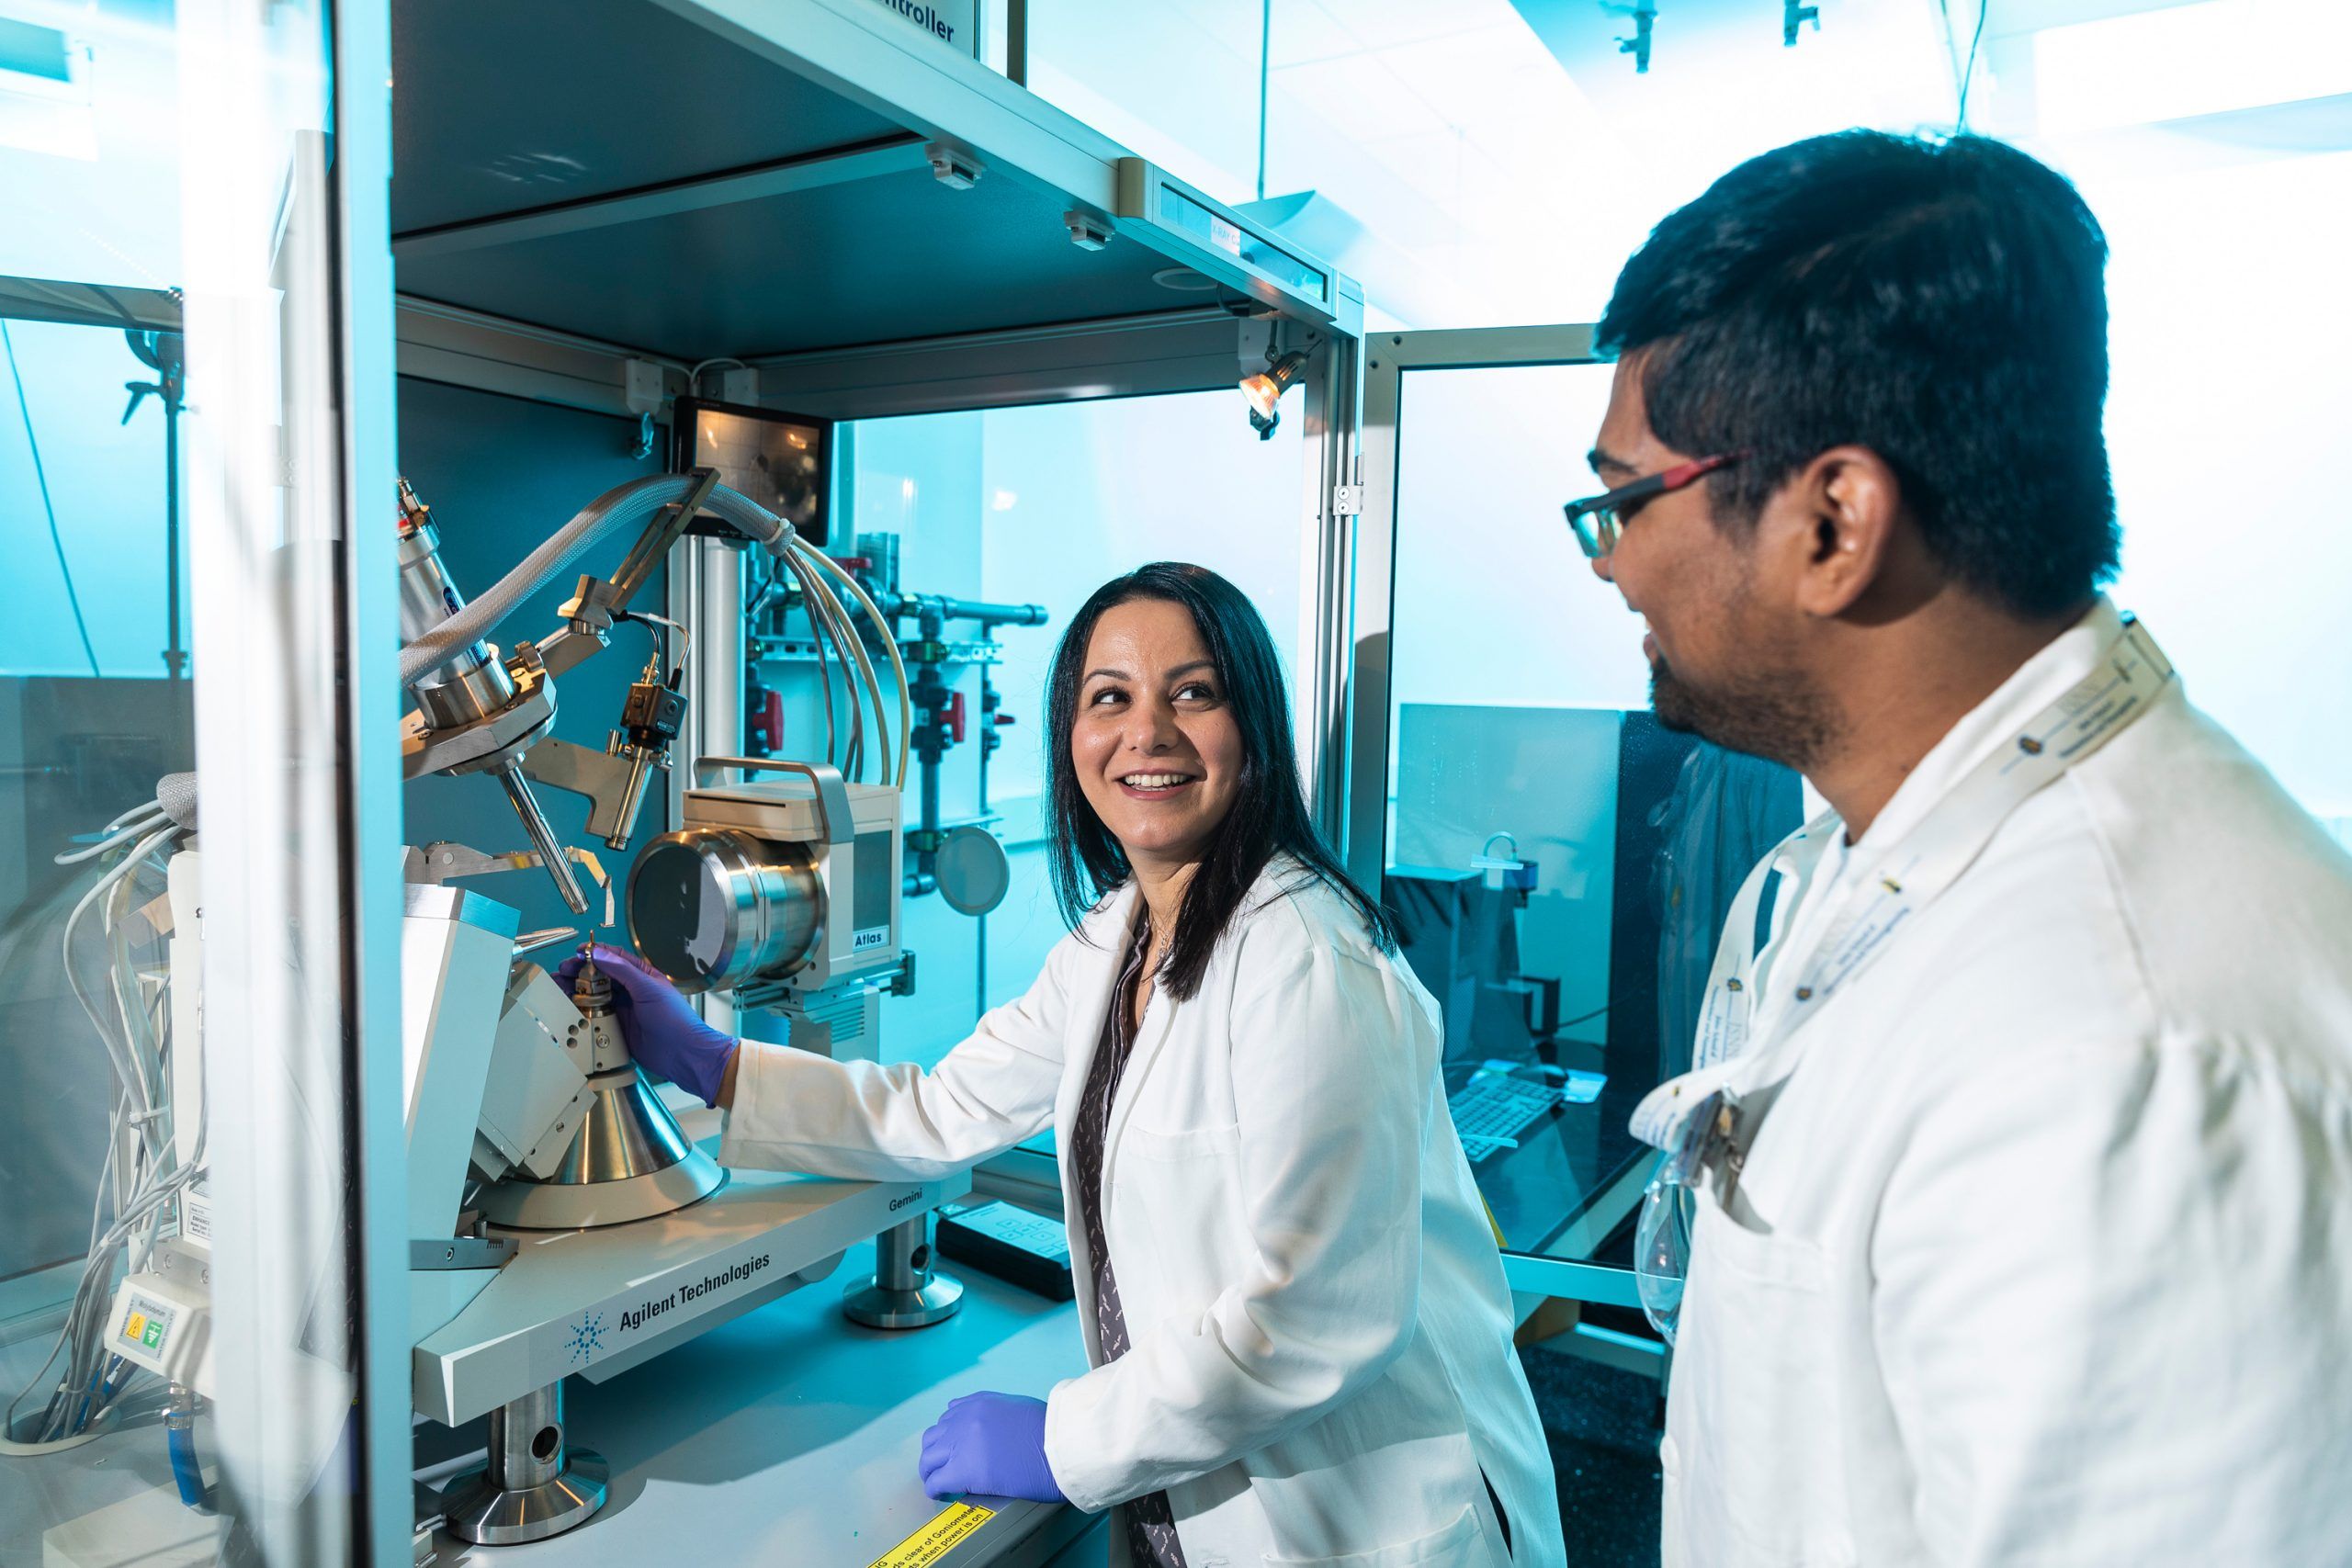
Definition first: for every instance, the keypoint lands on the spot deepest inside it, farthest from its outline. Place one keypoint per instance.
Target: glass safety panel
(181, 1321)
(1559, 863)
(980, 533)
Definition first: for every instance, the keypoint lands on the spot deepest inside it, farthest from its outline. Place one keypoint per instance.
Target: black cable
(111, 297)
(42, 476)
(1580, 1018)
(1968, 77)
(1265, 63)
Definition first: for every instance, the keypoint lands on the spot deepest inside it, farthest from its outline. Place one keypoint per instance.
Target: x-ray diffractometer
(400, 1253)
(526, 1117)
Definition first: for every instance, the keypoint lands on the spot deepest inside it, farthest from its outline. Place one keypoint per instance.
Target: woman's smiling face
(1156, 747)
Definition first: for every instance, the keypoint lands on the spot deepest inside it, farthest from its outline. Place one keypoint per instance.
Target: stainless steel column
(534, 1485)
(707, 593)
(904, 1293)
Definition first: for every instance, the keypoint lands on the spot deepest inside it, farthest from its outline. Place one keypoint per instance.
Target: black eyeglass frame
(1599, 521)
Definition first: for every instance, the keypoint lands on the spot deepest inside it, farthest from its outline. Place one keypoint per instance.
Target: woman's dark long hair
(1268, 816)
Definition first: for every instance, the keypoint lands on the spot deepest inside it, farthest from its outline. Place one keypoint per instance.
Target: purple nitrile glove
(992, 1444)
(662, 1030)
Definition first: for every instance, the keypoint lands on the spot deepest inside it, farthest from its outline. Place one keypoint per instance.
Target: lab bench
(790, 1435)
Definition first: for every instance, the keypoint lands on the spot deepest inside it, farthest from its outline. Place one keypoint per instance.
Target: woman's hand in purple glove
(665, 1035)
(992, 1444)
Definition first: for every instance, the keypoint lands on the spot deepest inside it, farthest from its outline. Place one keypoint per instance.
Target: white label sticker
(873, 936)
(147, 1324)
(949, 21)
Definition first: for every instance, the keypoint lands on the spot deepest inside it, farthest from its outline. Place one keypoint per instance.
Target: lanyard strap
(1724, 1021)
(1875, 907)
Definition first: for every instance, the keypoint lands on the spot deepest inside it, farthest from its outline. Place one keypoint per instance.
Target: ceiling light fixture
(1265, 390)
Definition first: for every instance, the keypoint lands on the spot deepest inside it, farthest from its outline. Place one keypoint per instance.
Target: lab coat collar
(1104, 930)
(1107, 930)
(1985, 727)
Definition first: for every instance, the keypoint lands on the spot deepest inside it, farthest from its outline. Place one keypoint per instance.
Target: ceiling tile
(1360, 96)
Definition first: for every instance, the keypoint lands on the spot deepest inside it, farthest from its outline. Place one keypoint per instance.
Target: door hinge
(1347, 501)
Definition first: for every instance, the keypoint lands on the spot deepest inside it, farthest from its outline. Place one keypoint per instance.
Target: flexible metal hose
(624, 507)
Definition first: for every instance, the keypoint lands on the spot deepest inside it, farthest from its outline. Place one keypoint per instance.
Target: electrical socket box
(162, 1317)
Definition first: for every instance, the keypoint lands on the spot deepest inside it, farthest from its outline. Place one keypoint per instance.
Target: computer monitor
(784, 461)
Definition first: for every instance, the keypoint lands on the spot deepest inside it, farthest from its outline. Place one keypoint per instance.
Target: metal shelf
(749, 178)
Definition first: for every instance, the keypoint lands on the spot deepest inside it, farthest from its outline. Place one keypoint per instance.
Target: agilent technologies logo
(588, 1337)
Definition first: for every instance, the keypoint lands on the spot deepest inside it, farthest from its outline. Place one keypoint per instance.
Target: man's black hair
(1940, 302)
(1268, 816)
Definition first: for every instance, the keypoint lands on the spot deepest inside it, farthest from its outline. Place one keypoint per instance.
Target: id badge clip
(1710, 1140)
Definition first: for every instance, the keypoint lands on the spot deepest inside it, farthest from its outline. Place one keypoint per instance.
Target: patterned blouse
(1150, 1524)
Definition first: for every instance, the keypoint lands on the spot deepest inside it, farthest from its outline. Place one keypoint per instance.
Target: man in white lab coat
(2004, 1219)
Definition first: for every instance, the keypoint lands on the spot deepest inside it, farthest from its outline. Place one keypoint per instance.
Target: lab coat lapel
(1090, 997)
(1159, 1017)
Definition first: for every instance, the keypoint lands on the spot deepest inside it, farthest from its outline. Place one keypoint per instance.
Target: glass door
(1558, 862)
(202, 1280)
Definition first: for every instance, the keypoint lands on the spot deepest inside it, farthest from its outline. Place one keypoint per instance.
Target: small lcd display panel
(784, 461)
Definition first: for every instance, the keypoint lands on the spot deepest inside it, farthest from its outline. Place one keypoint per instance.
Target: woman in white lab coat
(1292, 1303)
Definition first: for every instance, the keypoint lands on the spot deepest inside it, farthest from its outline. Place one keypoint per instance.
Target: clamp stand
(904, 1293)
(532, 1488)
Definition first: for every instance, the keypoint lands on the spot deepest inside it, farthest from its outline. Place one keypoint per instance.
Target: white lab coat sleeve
(797, 1111)
(2102, 1272)
(1331, 1095)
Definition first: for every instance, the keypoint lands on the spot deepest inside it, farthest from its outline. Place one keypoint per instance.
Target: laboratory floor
(1603, 1425)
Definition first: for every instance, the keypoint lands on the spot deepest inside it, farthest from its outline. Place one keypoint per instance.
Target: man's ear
(1831, 528)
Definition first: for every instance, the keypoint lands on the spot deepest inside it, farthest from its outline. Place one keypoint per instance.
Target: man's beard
(1779, 718)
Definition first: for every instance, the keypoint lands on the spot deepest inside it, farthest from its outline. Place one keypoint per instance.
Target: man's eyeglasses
(1598, 520)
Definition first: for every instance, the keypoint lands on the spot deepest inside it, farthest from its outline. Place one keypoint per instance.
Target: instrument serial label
(946, 1530)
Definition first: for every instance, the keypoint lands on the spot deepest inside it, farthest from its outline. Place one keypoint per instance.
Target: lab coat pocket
(1191, 1143)
(1759, 1479)
(1760, 1258)
(1456, 1546)
(1177, 1236)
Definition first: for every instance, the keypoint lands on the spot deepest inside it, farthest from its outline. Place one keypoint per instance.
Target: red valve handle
(769, 726)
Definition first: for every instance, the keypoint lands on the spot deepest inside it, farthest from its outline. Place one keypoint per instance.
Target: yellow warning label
(936, 1539)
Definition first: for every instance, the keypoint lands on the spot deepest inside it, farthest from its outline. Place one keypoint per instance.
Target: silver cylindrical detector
(714, 908)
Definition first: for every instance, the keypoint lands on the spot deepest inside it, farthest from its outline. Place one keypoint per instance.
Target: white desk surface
(788, 1436)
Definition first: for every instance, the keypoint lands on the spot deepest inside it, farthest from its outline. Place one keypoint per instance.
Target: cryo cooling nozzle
(535, 828)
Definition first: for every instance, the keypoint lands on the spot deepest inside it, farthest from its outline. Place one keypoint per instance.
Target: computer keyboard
(1493, 1108)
